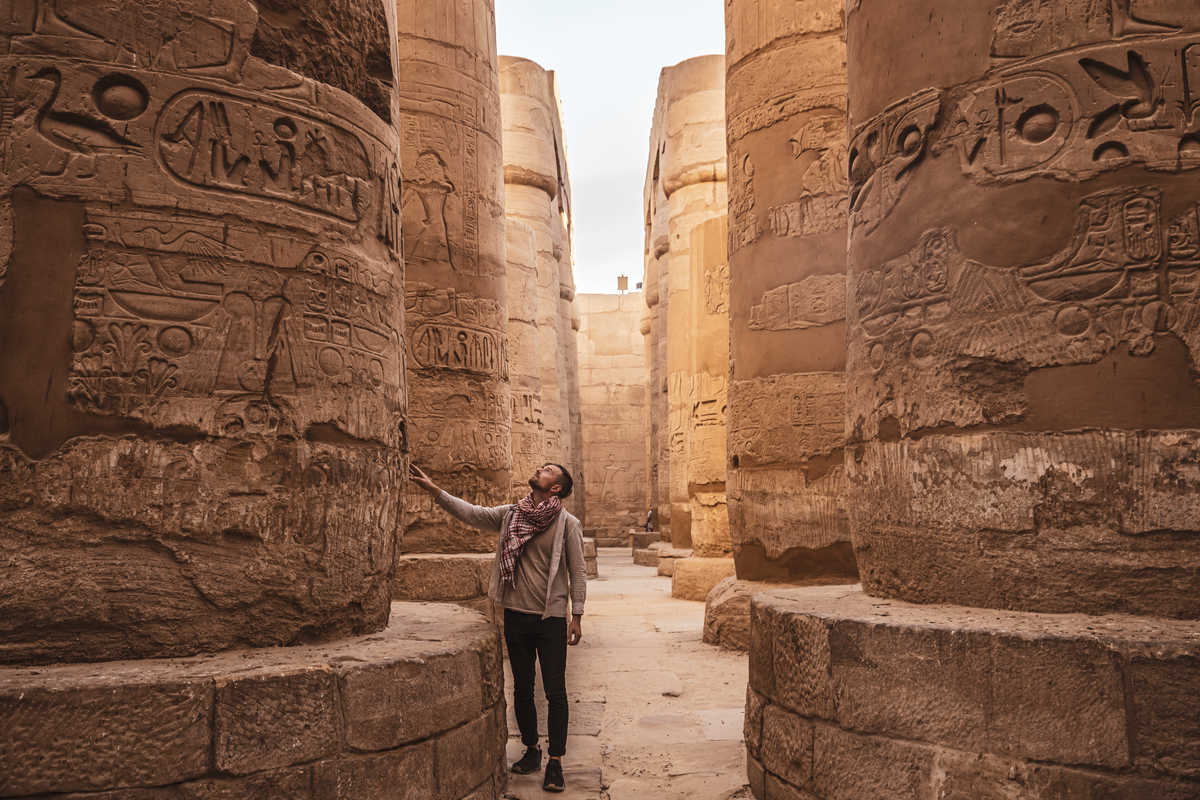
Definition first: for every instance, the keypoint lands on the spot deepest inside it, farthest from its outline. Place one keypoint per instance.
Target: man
(539, 564)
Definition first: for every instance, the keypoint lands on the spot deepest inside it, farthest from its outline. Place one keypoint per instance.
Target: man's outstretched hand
(418, 476)
(574, 631)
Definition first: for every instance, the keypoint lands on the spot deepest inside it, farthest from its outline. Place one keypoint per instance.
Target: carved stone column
(523, 344)
(657, 288)
(202, 417)
(786, 98)
(692, 170)
(200, 316)
(531, 176)
(456, 296)
(1023, 417)
(693, 174)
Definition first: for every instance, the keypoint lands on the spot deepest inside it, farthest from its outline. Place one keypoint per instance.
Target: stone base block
(460, 578)
(647, 557)
(415, 711)
(643, 539)
(860, 698)
(667, 558)
(694, 578)
(589, 548)
(442, 578)
(727, 614)
(727, 610)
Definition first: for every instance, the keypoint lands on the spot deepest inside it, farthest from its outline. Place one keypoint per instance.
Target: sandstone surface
(456, 282)
(202, 387)
(417, 708)
(788, 211)
(537, 196)
(693, 578)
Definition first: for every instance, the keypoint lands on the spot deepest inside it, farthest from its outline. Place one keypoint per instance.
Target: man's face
(547, 478)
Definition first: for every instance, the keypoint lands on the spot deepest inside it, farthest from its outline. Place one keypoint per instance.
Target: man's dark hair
(567, 482)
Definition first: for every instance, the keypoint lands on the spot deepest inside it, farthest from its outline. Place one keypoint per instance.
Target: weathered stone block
(442, 578)
(391, 705)
(727, 614)
(645, 557)
(694, 578)
(89, 728)
(462, 763)
(275, 718)
(406, 774)
(848, 766)
(642, 540)
(1083, 691)
(787, 746)
(63, 733)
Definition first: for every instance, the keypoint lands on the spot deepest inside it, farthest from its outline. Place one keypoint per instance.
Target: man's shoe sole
(555, 789)
(523, 771)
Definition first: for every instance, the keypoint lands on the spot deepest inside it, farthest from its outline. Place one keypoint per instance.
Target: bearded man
(539, 567)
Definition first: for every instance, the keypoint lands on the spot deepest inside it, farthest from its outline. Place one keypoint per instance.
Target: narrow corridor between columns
(655, 712)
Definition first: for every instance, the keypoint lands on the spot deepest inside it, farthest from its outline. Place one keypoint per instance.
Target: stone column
(568, 322)
(202, 388)
(709, 389)
(786, 100)
(523, 342)
(461, 430)
(531, 176)
(657, 292)
(1023, 416)
(693, 173)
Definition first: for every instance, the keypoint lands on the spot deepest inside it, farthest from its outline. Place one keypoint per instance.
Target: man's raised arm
(483, 517)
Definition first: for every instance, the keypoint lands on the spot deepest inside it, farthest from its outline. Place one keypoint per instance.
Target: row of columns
(491, 330)
(964, 316)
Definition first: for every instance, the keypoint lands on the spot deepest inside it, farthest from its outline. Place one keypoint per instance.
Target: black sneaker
(554, 781)
(530, 762)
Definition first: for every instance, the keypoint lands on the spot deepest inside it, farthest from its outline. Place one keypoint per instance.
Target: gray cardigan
(568, 538)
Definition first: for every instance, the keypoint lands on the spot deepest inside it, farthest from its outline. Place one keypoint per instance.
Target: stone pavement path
(655, 712)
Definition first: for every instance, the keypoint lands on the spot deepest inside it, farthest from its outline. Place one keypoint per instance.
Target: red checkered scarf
(527, 522)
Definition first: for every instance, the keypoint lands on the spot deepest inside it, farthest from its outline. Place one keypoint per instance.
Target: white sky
(607, 56)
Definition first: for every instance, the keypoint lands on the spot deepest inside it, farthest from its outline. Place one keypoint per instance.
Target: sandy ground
(655, 712)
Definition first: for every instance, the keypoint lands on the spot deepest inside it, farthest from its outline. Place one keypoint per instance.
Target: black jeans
(530, 637)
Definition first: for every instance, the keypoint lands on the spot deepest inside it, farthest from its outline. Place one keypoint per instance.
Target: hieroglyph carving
(166, 305)
(172, 298)
(457, 332)
(1128, 274)
(816, 300)
(1074, 114)
(787, 418)
(818, 148)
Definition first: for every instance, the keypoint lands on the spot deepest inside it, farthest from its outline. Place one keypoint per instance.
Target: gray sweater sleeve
(482, 517)
(576, 566)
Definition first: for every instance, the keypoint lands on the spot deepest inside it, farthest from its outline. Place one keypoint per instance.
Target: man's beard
(533, 484)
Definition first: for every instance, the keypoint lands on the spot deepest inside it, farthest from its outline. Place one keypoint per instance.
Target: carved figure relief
(1031, 27)
(168, 306)
(816, 300)
(441, 193)
(716, 289)
(1128, 274)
